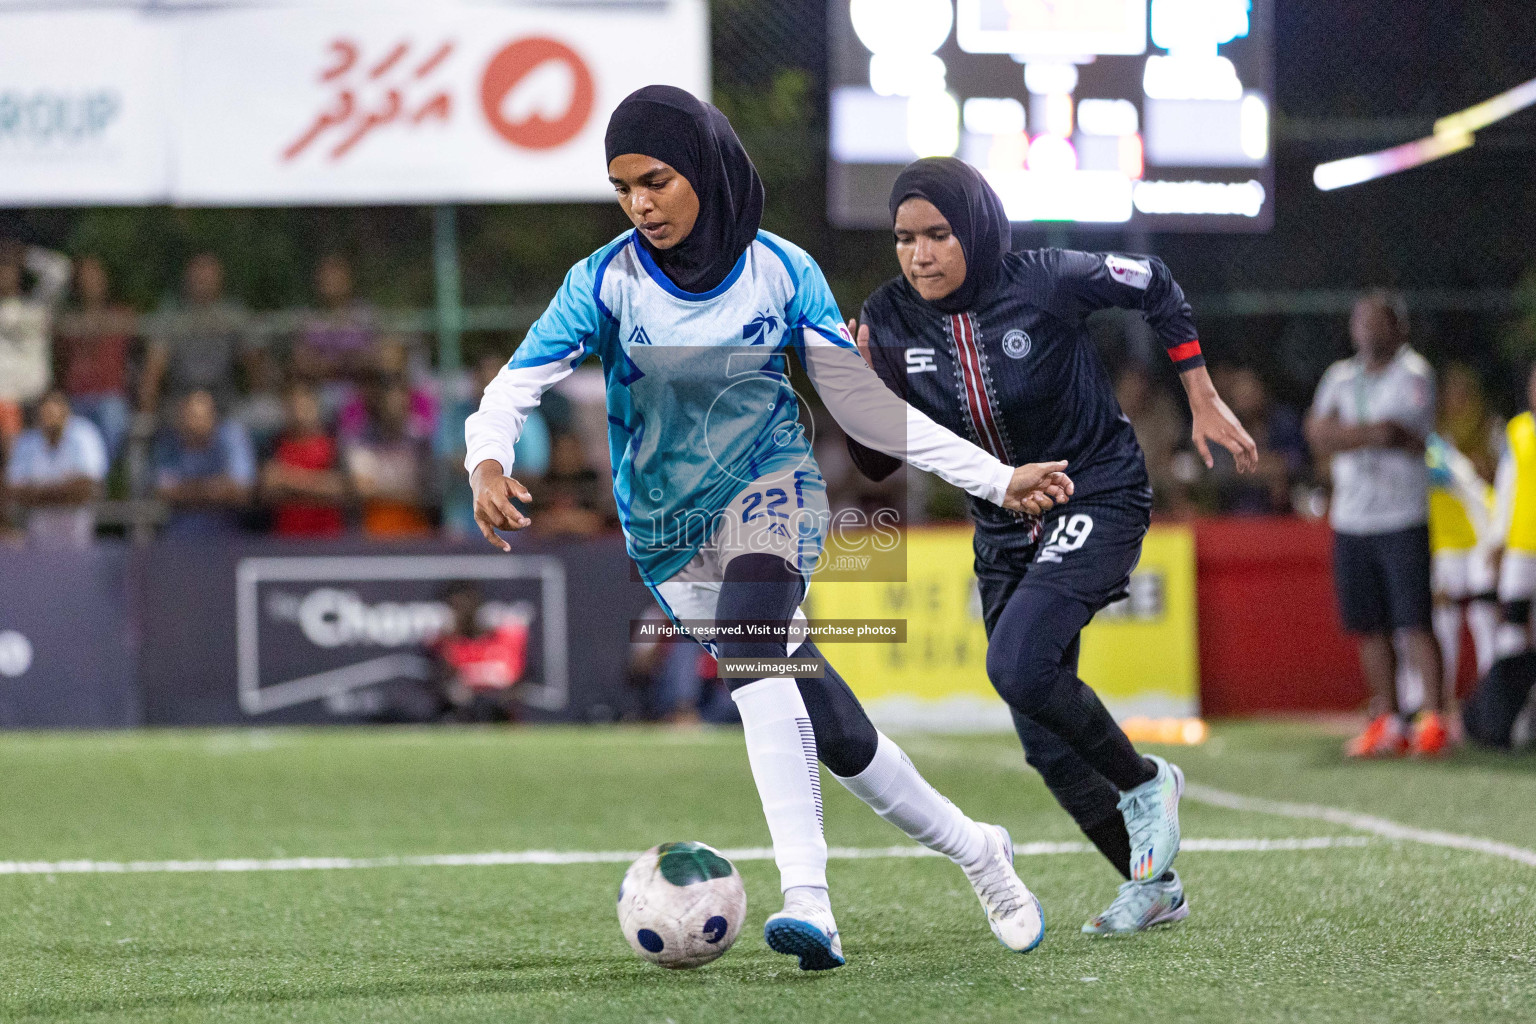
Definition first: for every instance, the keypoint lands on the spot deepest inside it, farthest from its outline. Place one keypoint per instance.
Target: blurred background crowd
(198, 416)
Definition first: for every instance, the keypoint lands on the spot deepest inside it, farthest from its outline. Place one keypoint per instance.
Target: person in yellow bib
(1515, 526)
(1464, 564)
(1500, 713)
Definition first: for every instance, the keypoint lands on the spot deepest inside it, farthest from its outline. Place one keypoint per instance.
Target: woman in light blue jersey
(693, 314)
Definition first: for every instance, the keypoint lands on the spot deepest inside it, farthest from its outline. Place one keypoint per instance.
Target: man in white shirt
(1370, 418)
(55, 473)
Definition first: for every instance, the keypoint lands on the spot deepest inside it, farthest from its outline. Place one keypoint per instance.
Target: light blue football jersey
(698, 394)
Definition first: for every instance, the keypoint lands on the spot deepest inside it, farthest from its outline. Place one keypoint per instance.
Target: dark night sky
(1467, 220)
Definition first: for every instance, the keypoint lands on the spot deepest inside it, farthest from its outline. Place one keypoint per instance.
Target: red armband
(1188, 350)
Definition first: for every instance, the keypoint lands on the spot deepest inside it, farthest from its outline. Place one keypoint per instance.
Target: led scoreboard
(1149, 114)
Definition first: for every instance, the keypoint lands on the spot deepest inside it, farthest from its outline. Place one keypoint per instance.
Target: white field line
(1363, 822)
(1383, 827)
(464, 860)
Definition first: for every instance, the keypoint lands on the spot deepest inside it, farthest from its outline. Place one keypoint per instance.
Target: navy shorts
(1383, 580)
(1085, 553)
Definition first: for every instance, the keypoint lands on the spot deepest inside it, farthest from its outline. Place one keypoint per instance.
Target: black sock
(1075, 713)
(1114, 842)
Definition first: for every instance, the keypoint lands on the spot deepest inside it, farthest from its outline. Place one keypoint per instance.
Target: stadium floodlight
(1453, 133)
(902, 26)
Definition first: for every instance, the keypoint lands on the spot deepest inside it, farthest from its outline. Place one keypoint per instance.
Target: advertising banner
(65, 654)
(329, 104)
(1139, 654)
(323, 627)
(440, 103)
(85, 105)
(268, 632)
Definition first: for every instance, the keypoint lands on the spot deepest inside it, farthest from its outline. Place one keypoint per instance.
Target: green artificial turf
(1391, 931)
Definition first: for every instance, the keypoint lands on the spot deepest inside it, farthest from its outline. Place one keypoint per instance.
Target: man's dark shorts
(1383, 580)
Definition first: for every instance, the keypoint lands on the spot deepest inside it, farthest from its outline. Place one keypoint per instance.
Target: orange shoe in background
(1382, 738)
(1430, 736)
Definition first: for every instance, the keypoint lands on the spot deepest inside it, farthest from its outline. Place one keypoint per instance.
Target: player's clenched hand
(860, 335)
(1038, 487)
(1215, 423)
(494, 491)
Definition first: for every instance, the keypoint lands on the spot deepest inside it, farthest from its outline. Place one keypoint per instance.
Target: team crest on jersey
(638, 336)
(759, 329)
(1016, 344)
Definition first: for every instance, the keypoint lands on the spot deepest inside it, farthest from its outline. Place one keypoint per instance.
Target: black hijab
(671, 125)
(975, 214)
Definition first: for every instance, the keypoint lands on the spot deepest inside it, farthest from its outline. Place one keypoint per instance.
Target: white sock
(896, 792)
(1483, 621)
(782, 750)
(1447, 620)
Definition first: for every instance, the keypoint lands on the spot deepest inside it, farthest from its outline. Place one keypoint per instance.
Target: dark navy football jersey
(1019, 375)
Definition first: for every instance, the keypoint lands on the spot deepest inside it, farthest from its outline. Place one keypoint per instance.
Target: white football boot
(808, 931)
(1012, 910)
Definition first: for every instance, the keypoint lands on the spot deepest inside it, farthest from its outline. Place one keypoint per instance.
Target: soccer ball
(681, 905)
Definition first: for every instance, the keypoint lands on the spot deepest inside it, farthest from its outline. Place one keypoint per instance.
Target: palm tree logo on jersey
(759, 329)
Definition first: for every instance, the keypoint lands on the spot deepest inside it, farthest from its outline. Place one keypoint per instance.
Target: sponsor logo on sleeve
(1136, 273)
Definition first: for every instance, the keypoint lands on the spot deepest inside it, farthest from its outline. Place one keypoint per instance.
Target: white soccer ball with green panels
(681, 905)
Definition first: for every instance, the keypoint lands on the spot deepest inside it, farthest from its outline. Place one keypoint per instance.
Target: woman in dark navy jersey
(993, 345)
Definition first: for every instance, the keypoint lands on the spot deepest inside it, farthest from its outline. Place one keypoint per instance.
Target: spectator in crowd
(262, 411)
(391, 471)
(303, 481)
(1501, 711)
(479, 664)
(204, 469)
(531, 453)
(1466, 421)
(572, 499)
(394, 362)
(55, 474)
(26, 325)
(92, 353)
(1370, 419)
(1277, 428)
(199, 341)
(334, 346)
(1160, 429)
(677, 679)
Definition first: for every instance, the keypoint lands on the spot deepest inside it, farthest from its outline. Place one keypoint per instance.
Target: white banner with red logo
(323, 105)
(445, 103)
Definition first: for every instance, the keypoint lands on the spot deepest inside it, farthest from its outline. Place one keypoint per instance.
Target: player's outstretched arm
(1038, 487)
(494, 491)
(1083, 282)
(1215, 423)
(556, 343)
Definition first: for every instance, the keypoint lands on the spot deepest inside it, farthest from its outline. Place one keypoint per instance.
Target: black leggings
(765, 588)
